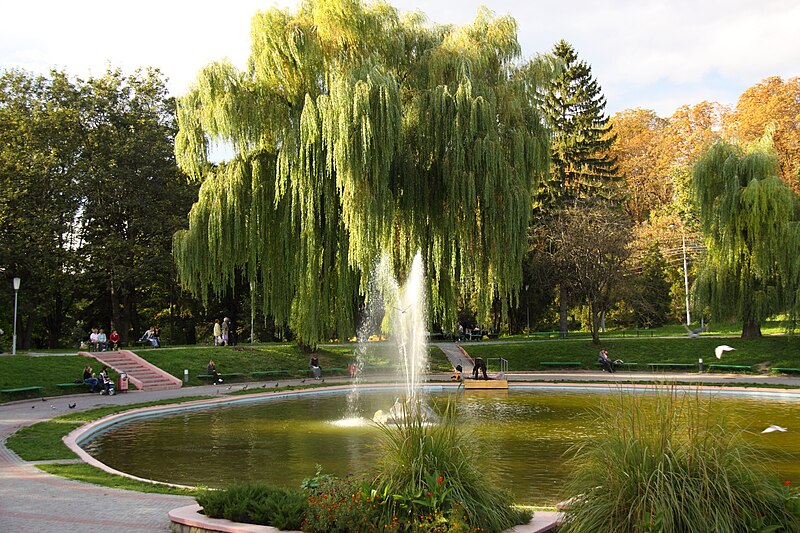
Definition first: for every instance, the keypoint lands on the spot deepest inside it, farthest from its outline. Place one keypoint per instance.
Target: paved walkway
(31, 500)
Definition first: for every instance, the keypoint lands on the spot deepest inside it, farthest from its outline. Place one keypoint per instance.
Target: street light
(685, 275)
(14, 336)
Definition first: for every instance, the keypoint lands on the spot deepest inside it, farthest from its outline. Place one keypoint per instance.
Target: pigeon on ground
(245, 387)
(72, 405)
(276, 384)
(44, 399)
(323, 380)
(303, 381)
(52, 407)
(33, 407)
(229, 387)
(719, 350)
(772, 428)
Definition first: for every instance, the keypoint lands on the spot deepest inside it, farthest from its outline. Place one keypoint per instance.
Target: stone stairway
(141, 374)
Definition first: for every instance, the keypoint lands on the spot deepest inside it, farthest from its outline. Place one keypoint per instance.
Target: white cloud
(646, 53)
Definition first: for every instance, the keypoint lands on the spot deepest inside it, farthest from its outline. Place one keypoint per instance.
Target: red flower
(441, 479)
(787, 483)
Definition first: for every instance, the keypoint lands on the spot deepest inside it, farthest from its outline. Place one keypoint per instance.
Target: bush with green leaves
(256, 503)
(666, 462)
(429, 479)
(340, 506)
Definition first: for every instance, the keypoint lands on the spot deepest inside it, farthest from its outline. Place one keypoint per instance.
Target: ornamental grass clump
(667, 463)
(256, 503)
(431, 478)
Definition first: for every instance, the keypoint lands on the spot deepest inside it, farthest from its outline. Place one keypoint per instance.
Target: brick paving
(33, 501)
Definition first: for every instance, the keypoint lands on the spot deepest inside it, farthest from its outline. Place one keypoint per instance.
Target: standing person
(114, 338)
(231, 333)
(217, 332)
(225, 330)
(480, 365)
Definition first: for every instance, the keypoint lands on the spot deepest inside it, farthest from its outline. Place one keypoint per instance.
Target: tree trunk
(751, 329)
(563, 319)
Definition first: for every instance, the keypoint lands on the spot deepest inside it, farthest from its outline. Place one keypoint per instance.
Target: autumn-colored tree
(642, 160)
(773, 103)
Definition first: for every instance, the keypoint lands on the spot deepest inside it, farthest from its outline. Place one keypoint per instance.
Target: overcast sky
(655, 54)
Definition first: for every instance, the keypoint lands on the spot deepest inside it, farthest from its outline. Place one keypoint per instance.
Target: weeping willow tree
(359, 131)
(750, 221)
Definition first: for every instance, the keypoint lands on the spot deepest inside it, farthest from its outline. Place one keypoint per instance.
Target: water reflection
(522, 436)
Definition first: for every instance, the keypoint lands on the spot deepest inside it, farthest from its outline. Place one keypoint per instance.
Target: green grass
(782, 351)
(89, 474)
(47, 371)
(42, 441)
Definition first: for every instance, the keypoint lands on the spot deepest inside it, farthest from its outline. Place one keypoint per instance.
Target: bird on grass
(719, 350)
(773, 427)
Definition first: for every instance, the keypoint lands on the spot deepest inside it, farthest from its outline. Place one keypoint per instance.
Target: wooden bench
(232, 375)
(729, 367)
(626, 366)
(670, 366)
(560, 363)
(22, 391)
(785, 370)
(72, 385)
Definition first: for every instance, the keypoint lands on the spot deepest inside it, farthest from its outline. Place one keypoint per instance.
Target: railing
(503, 363)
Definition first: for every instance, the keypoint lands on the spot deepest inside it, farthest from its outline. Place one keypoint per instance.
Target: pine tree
(582, 168)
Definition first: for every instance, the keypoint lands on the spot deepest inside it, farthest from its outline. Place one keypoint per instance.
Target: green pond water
(524, 436)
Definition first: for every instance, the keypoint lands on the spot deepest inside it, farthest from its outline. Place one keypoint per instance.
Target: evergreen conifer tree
(582, 168)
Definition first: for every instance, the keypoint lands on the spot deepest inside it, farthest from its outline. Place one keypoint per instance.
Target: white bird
(772, 428)
(719, 350)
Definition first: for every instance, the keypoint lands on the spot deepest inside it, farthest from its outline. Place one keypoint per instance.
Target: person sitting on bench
(211, 370)
(606, 363)
(480, 365)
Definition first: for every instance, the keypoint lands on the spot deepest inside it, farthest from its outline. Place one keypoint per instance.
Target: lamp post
(685, 274)
(14, 335)
(527, 310)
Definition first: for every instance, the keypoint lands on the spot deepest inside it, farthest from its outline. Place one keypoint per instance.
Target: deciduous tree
(358, 132)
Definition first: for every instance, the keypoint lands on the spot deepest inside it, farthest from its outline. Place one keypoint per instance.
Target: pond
(524, 436)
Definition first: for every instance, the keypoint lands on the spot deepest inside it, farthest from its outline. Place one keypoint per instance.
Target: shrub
(429, 478)
(340, 506)
(256, 503)
(672, 466)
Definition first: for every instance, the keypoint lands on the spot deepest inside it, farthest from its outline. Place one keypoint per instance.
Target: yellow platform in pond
(486, 384)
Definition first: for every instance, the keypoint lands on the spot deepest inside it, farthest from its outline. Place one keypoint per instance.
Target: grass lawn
(45, 371)
(778, 351)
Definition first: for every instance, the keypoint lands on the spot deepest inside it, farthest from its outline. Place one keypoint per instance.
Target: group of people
(224, 333)
(102, 382)
(100, 342)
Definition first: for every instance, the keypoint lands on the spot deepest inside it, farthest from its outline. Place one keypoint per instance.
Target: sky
(652, 54)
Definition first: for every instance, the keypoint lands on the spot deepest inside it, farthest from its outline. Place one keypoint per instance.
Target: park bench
(561, 363)
(229, 376)
(729, 367)
(785, 370)
(670, 366)
(625, 366)
(22, 391)
(72, 385)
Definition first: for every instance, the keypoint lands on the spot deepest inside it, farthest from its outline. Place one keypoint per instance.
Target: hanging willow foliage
(750, 220)
(359, 132)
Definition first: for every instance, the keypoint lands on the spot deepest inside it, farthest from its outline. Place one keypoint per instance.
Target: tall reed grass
(664, 462)
(432, 471)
